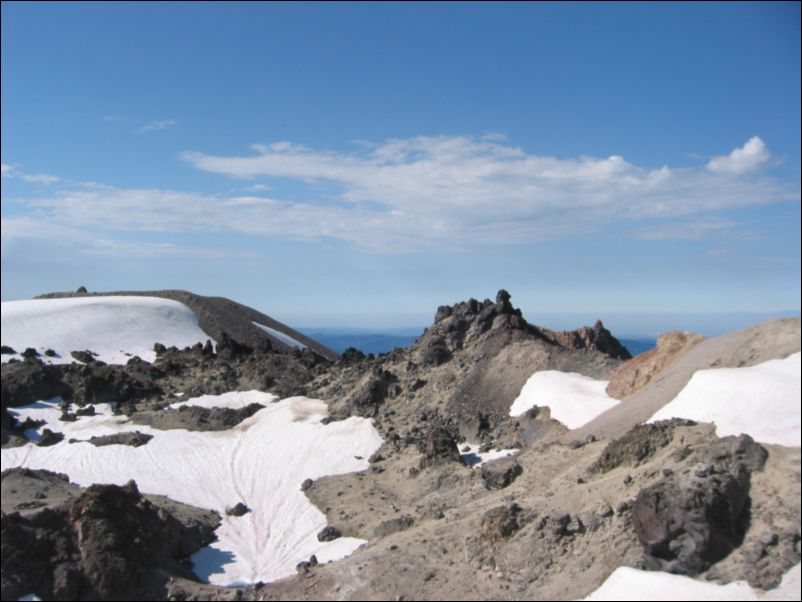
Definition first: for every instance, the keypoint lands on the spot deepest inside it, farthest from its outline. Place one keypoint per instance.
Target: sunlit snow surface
(116, 328)
(631, 584)
(762, 400)
(261, 462)
(284, 338)
(573, 399)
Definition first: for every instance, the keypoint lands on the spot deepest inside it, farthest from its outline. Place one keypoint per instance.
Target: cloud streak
(155, 126)
(11, 171)
(435, 193)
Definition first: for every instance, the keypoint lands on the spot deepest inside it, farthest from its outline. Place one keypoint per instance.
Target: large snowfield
(116, 328)
(263, 460)
(260, 462)
(761, 400)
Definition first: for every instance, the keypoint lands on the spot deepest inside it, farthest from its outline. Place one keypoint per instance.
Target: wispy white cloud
(429, 192)
(45, 230)
(462, 190)
(751, 156)
(257, 188)
(155, 126)
(142, 126)
(11, 171)
(688, 229)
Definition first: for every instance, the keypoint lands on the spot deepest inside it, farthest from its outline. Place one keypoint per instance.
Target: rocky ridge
(104, 542)
(550, 521)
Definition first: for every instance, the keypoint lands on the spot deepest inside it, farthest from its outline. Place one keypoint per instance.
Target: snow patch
(574, 399)
(284, 338)
(473, 458)
(115, 328)
(762, 401)
(234, 400)
(260, 462)
(626, 583)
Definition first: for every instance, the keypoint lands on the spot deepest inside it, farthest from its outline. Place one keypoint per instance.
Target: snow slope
(573, 399)
(284, 338)
(761, 400)
(261, 462)
(115, 328)
(632, 584)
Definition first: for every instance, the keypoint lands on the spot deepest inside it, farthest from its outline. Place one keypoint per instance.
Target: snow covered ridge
(261, 463)
(284, 338)
(116, 328)
(761, 400)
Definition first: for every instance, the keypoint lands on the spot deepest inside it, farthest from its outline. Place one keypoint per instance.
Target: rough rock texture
(639, 372)
(192, 371)
(639, 444)
(49, 438)
(500, 522)
(462, 373)
(132, 438)
(393, 525)
(99, 545)
(196, 418)
(696, 517)
(439, 447)
(597, 338)
(328, 533)
(239, 509)
(500, 473)
(30, 381)
(26, 491)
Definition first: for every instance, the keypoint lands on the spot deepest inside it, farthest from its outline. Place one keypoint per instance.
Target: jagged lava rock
(500, 473)
(439, 447)
(695, 518)
(97, 546)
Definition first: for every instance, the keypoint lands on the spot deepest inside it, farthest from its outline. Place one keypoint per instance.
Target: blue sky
(360, 164)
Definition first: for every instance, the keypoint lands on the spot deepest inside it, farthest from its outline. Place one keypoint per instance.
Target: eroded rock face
(102, 383)
(97, 546)
(27, 382)
(439, 447)
(196, 418)
(637, 445)
(597, 338)
(500, 522)
(132, 438)
(500, 473)
(696, 517)
(641, 370)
